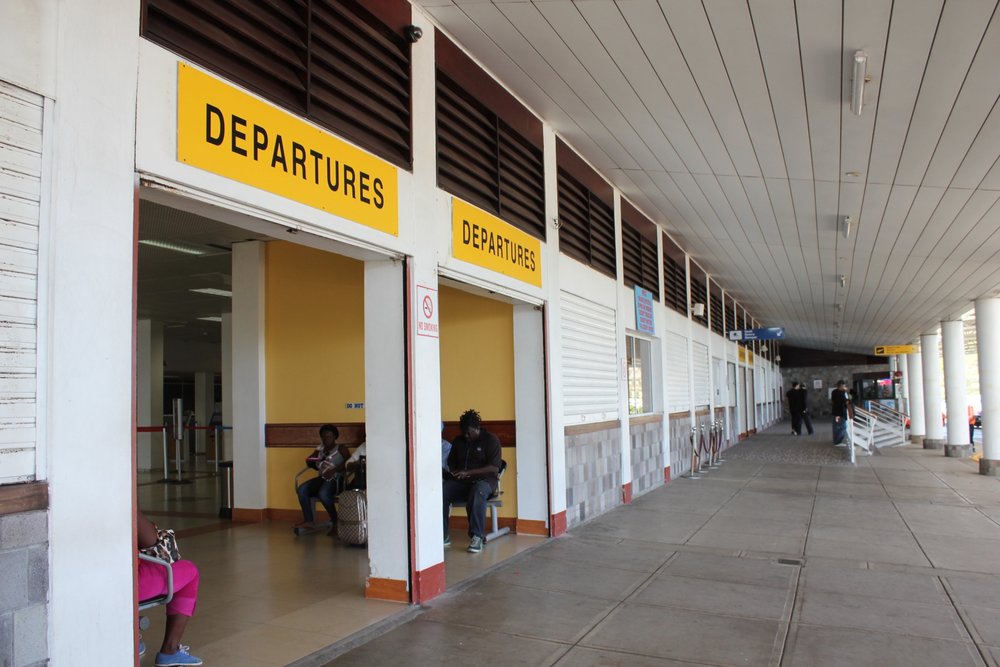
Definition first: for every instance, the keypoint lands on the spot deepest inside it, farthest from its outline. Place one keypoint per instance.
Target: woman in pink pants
(153, 582)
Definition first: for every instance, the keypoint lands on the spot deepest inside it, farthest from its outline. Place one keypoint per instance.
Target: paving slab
(866, 583)
(815, 646)
(761, 572)
(717, 597)
(687, 635)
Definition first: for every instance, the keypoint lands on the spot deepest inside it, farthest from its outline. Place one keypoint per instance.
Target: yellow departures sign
(225, 131)
(892, 350)
(487, 241)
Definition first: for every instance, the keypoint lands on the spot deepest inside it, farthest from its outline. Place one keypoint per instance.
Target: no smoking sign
(427, 316)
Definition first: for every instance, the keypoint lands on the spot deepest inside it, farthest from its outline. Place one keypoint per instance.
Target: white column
(204, 403)
(915, 366)
(88, 224)
(553, 353)
(953, 347)
(149, 393)
(249, 406)
(226, 446)
(988, 344)
(933, 398)
(529, 411)
(904, 384)
(622, 307)
(386, 432)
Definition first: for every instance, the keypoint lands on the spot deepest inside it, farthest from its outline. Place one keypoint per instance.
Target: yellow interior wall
(314, 346)
(477, 355)
(477, 368)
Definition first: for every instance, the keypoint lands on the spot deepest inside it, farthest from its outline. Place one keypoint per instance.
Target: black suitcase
(352, 518)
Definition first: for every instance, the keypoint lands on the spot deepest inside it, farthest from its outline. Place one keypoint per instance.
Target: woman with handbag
(153, 582)
(329, 459)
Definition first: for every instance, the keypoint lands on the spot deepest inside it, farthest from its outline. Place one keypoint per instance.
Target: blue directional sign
(770, 333)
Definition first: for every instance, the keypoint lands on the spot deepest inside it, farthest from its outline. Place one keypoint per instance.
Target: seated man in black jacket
(473, 465)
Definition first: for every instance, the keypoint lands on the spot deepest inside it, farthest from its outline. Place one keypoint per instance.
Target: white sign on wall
(427, 312)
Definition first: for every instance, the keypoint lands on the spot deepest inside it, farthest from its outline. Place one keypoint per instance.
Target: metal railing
(861, 430)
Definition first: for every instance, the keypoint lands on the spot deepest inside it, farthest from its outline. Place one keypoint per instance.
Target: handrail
(886, 413)
(868, 421)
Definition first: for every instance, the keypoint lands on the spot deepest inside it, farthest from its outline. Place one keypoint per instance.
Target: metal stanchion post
(166, 464)
(695, 464)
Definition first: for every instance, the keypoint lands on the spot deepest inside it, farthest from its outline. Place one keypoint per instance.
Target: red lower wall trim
(743, 436)
(428, 584)
(531, 527)
(558, 524)
(387, 589)
(666, 474)
(241, 515)
(627, 492)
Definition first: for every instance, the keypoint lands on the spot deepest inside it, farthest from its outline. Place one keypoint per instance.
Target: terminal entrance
(491, 362)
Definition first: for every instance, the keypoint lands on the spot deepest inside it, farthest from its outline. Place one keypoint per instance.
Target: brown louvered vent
(332, 61)
(639, 250)
(486, 162)
(699, 293)
(715, 297)
(674, 277)
(586, 225)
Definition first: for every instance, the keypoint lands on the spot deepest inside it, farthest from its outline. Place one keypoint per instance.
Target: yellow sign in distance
(487, 241)
(892, 350)
(228, 132)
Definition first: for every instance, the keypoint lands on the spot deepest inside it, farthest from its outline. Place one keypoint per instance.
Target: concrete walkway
(893, 561)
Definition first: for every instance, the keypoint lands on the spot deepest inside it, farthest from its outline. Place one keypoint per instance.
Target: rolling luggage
(352, 518)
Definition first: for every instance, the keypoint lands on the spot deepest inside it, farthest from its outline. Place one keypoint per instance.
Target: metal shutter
(590, 360)
(700, 368)
(20, 187)
(678, 392)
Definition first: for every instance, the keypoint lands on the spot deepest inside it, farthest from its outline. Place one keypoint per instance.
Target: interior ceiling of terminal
(189, 252)
(730, 123)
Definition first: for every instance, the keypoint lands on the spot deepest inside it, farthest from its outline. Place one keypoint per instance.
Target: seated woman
(153, 582)
(329, 460)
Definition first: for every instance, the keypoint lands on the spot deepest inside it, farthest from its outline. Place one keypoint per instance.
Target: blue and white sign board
(770, 333)
(644, 311)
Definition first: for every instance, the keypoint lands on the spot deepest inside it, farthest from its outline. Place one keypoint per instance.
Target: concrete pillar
(988, 343)
(915, 366)
(149, 393)
(226, 446)
(249, 405)
(387, 438)
(204, 403)
(529, 409)
(904, 384)
(623, 306)
(933, 399)
(953, 347)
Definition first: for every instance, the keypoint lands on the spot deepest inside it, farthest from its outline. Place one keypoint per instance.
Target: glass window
(640, 375)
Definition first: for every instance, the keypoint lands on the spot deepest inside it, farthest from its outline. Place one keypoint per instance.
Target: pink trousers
(153, 582)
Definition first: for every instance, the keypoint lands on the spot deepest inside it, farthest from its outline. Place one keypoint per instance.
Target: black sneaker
(476, 545)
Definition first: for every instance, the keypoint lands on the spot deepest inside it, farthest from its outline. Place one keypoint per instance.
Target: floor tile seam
(635, 570)
(787, 626)
(970, 627)
(621, 603)
(704, 612)
(944, 602)
(568, 643)
(890, 631)
(667, 575)
(621, 651)
(882, 631)
(564, 591)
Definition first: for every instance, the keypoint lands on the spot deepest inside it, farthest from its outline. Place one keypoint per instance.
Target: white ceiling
(729, 123)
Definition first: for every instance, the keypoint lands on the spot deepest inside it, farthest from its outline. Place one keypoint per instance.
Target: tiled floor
(268, 597)
(766, 560)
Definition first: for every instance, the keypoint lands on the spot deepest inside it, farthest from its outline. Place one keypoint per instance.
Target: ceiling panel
(730, 125)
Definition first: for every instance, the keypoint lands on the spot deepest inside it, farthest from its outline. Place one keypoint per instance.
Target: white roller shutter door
(678, 392)
(700, 367)
(590, 360)
(20, 188)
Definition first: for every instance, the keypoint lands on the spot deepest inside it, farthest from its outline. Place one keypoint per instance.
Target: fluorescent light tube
(213, 291)
(858, 87)
(185, 248)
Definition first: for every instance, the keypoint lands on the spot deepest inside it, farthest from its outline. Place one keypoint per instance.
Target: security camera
(413, 33)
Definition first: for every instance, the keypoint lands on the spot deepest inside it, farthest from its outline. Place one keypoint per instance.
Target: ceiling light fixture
(186, 248)
(213, 318)
(843, 280)
(858, 87)
(213, 291)
(847, 226)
